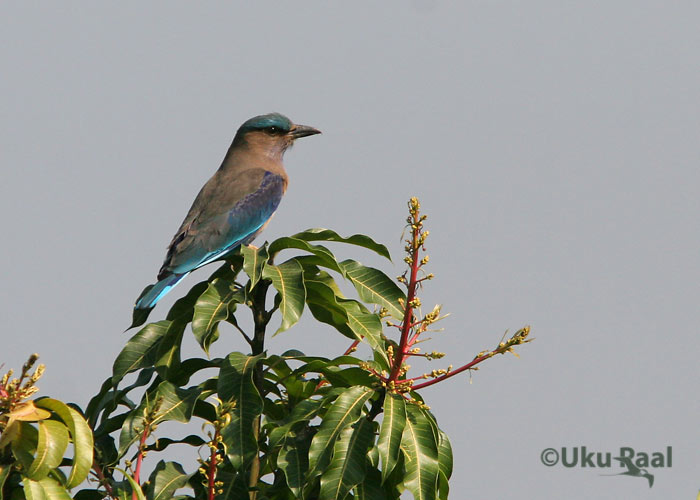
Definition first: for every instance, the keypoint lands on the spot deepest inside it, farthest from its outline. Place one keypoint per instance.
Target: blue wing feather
(210, 240)
(205, 241)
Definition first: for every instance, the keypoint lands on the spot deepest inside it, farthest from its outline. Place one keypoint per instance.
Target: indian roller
(235, 205)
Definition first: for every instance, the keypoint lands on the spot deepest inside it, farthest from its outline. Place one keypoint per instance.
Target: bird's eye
(273, 130)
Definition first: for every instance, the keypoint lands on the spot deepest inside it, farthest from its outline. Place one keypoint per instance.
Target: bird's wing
(226, 213)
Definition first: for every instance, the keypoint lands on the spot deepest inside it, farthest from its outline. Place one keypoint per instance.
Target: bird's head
(271, 134)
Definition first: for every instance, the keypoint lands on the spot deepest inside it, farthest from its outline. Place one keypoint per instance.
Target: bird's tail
(151, 296)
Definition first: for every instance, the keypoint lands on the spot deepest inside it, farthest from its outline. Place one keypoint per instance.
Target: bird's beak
(302, 131)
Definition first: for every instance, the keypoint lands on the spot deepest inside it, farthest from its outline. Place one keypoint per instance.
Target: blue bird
(235, 205)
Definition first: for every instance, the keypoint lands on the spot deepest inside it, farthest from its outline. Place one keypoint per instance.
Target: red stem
(476, 361)
(211, 490)
(408, 312)
(103, 480)
(139, 460)
(351, 348)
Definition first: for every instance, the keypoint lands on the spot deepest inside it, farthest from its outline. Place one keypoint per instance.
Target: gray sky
(554, 146)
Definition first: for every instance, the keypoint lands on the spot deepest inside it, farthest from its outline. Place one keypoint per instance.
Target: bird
(632, 470)
(234, 205)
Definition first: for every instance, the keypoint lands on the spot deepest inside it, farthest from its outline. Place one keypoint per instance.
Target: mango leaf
(445, 455)
(420, 453)
(5, 470)
(348, 377)
(139, 316)
(324, 256)
(134, 485)
(445, 461)
(81, 437)
(235, 486)
(371, 487)
(320, 234)
(391, 431)
(174, 403)
(347, 469)
(288, 280)
(293, 459)
(140, 350)
(107, 400)
(162, 443)
(443, 486)
(183, 308)
(375, 287)
(52, 443)
(254, 260)
(236, 384)
(349, 317)
(27, 412)
(369, 327)
(44, 489)
(211, 308)
(323, 304)
(165, 479)
(305, 411)
(167, 357)
(24, 442)
(53, 489)
(344, 411)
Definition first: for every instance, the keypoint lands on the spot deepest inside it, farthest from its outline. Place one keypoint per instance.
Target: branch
(139, 458)
(520, 337)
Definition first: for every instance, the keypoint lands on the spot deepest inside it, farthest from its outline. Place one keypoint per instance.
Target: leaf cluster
(34, 438)
(275, 426)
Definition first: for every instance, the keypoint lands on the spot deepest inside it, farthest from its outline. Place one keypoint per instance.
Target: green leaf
(139, 316)
(443, 486)
(320, 234)
(166, 478)
(288, 280)
(167, 357)
(53, 489)
(52, 443)
(183, 308)
(254, 260)
(235, 486)
(369, 326)
(24, 442)
(33, 490)
(347, 468)
(375, 287)
(420, 453)
(162, 443)
(445, 455)
(107, 400)
(293, 459)
(140, 350)
(236, 384)
(349, 317)
(88, 494)
(134, 486)
(324, 256)
(174, 403)
(211, 308)
(325, 307)
(344, 411)
(348, 377)
(391, 431)
(81, 436)
(305, 411)
(371, 487)
(5, 470)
